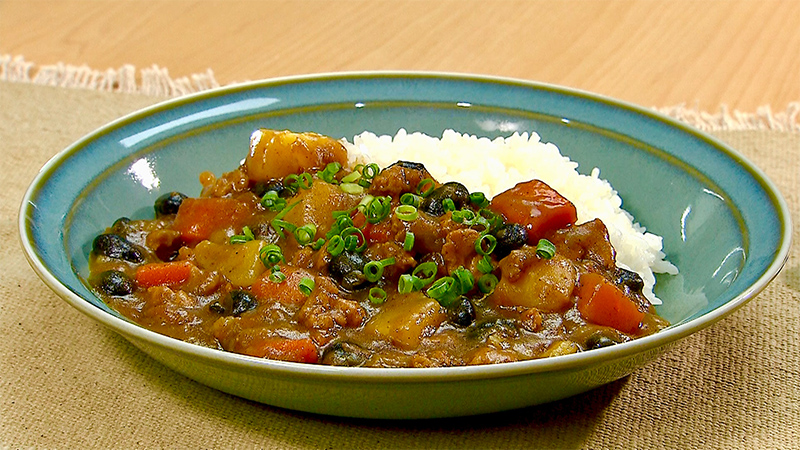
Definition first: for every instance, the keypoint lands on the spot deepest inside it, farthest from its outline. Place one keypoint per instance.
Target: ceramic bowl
(724, 224)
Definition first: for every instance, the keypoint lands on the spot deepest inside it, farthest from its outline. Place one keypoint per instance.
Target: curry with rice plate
(301, 255)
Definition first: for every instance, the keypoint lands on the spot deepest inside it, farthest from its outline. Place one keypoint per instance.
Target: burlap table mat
(67, 382)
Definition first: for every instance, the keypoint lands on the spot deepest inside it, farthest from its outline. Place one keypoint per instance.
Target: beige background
(704, 53)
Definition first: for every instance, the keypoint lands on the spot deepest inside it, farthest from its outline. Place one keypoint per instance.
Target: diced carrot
(297, 350)
(600, 302)
(197, 218)
(287, 292)
(378, 233)
(163, 274)
(536, 206)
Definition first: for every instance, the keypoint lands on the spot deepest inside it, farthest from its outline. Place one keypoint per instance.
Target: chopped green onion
(405, 284)
(464, 280)
(330, 172)
(377, 209)
(479, 199)
(342, 221)
(352, 177)
(410, 199)
(406, 212)
(318, 244)
(485, 244)
(306, 286)
(443, 291)
(305, 234)
(425, 187)
(305, 180)
(292, 182)
(335, 245)
(359, 237)
(494, 220)
(350, 243)
(370, 171)
(487, 283)
(545, 249)
(448, 205)
(270, 255)
(277, 276)
(373, 270)
(485, 264)
(425, 272)
(377, 296)
(246, 236)
(408, 242)
(280, 225)
(465, 216)
(272, 201)
(351, 188)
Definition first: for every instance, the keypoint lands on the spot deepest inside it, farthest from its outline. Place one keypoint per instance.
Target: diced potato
(318, 204)
(276, 154)
(238, 263)
(560, 348)
(407, 319)
(544, 284)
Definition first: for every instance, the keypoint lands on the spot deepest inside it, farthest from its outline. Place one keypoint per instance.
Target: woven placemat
(67, 382)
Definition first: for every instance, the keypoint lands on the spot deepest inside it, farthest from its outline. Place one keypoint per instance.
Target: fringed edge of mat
(152, 81)
(156, 81)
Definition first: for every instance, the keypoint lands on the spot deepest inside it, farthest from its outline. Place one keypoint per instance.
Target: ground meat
(326, 310)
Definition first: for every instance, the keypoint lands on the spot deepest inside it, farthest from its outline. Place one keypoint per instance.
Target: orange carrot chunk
(536, 206)
(199, 217)
(297, 350)
(285, 292)
(600, 302)
(163, 274)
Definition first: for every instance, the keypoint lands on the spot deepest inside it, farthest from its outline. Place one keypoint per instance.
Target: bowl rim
(363, 374)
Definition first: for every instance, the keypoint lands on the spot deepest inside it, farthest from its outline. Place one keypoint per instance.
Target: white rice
(492, 166)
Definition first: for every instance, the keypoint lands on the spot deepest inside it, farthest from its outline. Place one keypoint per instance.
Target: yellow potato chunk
(544, 284)
(407, 319)
(276, 154)
(238, 263)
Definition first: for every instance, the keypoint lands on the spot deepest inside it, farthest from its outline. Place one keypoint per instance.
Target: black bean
(347, 268)
(262, 187)
(115, 283)
(462, 312)
(433, 204)
(120, 225)
(490, 326)
(344, 354)
(409, 165)
(217, 308)
(168, 203)
(510, 236)
(601, 339)
(630, 279)
(117, 247)
(242, 302)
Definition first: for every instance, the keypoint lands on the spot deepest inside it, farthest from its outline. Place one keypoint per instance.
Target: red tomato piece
(536, 206)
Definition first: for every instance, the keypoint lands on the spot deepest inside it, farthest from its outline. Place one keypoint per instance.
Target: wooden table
(740, 53)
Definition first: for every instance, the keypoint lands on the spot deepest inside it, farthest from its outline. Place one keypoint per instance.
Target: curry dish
(295, 256)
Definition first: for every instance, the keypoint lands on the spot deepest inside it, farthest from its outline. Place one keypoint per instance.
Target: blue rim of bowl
(416, 375)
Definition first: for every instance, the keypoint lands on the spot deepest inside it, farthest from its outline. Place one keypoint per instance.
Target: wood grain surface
(701, 53)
